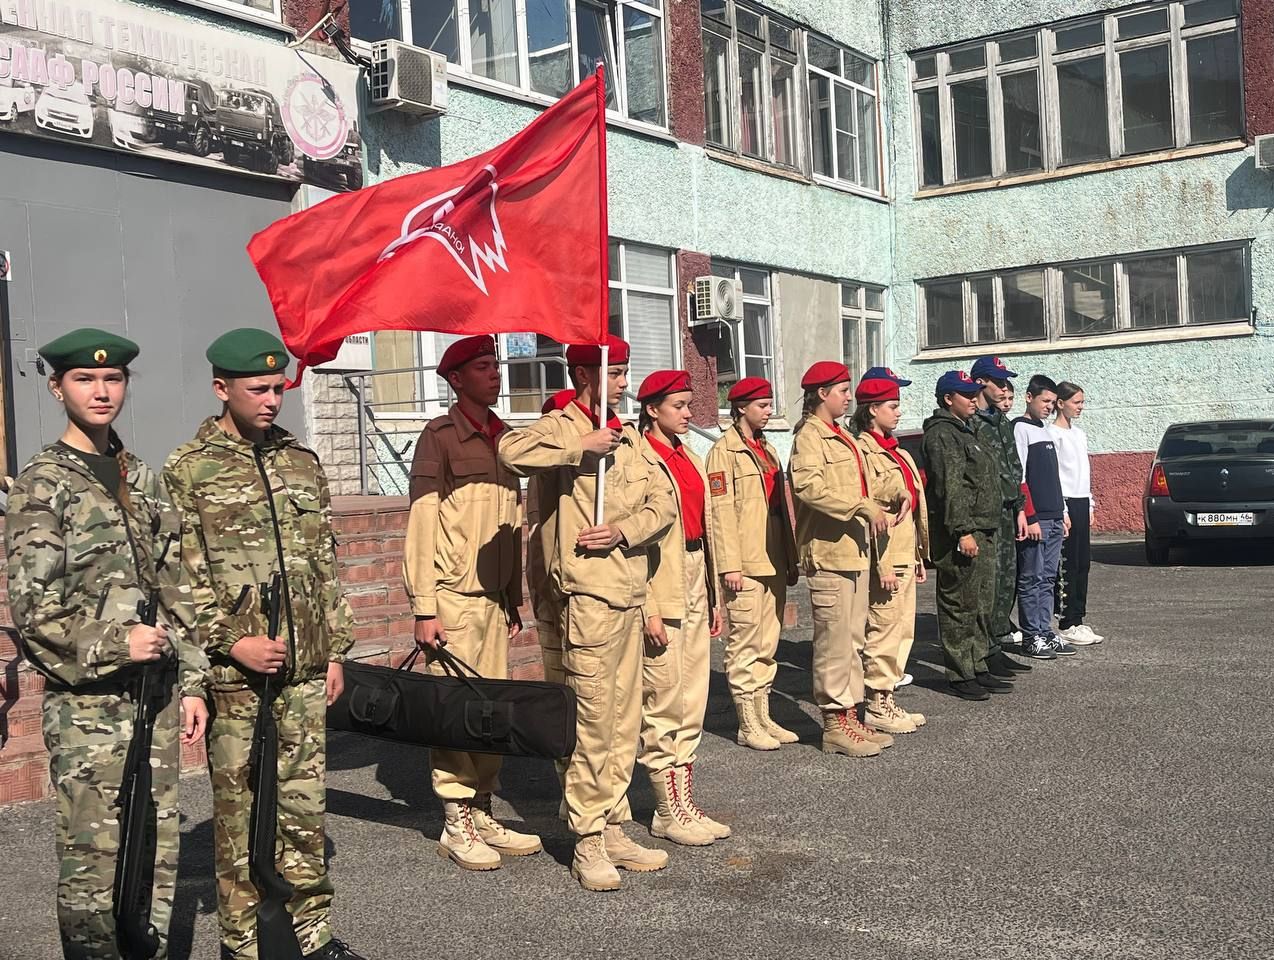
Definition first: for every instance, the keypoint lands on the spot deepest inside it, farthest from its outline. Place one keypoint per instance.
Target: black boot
(994, 669)
(993, 684)
(334, 950)
(968, 690)
(1002, 661)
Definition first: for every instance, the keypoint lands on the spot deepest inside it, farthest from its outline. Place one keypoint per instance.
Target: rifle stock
(276, 938)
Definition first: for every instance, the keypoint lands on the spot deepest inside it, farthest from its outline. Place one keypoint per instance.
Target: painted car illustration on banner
(15, 98)
(66, 110)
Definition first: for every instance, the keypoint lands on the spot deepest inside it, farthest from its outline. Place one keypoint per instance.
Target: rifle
(276, 938)
(138, 820)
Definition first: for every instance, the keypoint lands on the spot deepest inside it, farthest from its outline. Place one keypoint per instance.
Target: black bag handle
(409, 661)
(454, 667)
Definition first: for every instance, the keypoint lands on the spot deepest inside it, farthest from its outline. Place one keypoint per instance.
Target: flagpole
(599, 511)
(599, 85)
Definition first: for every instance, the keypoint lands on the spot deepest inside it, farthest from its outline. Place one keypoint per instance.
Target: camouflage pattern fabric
(965, 591)
(301, 713)
(996, 430)
(1005, 578)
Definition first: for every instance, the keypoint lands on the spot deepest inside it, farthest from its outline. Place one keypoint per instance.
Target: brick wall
(331, 425)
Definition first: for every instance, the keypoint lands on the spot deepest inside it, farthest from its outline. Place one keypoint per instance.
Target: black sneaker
(334, 950)
(994, 668)
(968, 690)
(1038, 648)
(1003, 662)
(994, 684)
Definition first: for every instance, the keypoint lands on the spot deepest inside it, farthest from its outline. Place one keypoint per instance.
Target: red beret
(558, 401)
(876, 390)
(751, 388)
(590, 354)
(663, 382)
(824, 374)
(462, 351)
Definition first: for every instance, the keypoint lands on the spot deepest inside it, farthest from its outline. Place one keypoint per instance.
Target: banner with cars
(113, 75)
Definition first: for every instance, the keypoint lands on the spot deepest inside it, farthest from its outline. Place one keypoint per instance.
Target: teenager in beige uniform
(899, 553)
(681, 618)
(463, 573)
(753, 548)
(601, 572)
(835, 521)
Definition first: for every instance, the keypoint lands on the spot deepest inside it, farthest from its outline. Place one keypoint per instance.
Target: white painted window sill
(258, 18)
(1211, 331)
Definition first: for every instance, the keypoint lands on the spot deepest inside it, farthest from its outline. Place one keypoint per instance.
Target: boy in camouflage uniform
(257, 503)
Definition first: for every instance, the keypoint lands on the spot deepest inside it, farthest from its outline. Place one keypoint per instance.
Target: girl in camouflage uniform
(91, 535)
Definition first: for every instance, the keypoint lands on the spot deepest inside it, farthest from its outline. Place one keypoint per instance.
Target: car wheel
(201, 142)
(232, 155)
(354, 178)
(1157, 551)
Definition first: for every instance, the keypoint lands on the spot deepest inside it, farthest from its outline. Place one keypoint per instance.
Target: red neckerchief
(690, 483)
(612, 422)
(858, 454)
(769, 468)
(890, 446)
(491, 430)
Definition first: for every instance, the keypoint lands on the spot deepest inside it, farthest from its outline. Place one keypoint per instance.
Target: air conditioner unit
(717, 298)
(407, 78)
(1265, 152)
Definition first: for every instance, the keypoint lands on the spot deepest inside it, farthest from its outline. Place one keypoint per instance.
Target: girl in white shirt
(1071, 444)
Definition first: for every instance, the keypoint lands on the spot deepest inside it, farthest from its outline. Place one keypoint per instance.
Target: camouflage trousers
(301, 713)
(1005, 577)
(965, 594)
(87, 736)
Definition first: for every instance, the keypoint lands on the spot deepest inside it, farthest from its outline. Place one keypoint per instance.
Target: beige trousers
(839, 599)
(675, 680)
(601, 654)
(891, 630)
(478, 633)
(752, 641)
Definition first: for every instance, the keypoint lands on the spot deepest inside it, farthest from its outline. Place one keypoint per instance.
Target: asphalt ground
(1115, 805)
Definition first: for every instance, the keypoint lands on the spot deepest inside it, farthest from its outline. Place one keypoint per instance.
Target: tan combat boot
(686, 793)
(591, 867)
(628, 855)
(460, 841)
(917, 718)
(499, 837)
(751, 733)
(838, 737)
(870, 734)
(673, 821)
(762, 703)
(886, 715)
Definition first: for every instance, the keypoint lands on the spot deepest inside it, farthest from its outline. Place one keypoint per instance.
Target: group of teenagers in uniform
(686, 550)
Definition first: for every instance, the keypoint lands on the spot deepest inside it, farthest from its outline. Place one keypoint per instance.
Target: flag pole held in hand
(599, 511)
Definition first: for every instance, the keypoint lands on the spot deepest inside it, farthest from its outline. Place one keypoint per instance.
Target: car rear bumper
(1169, 520)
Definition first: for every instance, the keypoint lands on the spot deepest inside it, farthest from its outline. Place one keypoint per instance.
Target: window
(751, 70)
(643, 310)
(745, 347)
(1150, 291)
(844, 114)
(539, 46)
(262, 11)
(862, 315)
(1155, 78)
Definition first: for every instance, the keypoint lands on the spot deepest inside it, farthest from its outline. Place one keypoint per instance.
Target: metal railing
(388, 427)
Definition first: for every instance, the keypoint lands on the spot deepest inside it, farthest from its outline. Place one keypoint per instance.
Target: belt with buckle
(694, 546)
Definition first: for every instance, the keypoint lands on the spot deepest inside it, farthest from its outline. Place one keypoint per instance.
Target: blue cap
(957, 381)
(990, 368)
(884, 373)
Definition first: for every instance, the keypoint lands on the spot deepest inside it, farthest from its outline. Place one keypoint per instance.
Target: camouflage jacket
(996, 430)
(237, 536)
(962, 474)
(81, 564)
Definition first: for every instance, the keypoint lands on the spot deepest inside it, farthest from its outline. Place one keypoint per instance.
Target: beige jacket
(832, 515)
(741, 528)
(666, 597)
(908, 543)
(464, 532)
(637, 501)
(541, 543)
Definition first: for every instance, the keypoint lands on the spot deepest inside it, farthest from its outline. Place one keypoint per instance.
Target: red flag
(513, 240)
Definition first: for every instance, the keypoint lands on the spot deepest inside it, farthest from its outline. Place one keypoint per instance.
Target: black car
(1212, 480)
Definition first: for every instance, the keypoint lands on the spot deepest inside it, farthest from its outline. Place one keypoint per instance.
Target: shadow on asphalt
(1132, 553)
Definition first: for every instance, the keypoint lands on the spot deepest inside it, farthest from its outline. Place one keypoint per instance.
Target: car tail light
(1158, 485)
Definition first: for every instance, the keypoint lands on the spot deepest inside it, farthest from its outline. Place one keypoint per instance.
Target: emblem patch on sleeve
(716, 484)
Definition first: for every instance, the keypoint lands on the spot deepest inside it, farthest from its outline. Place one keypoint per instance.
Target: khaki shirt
(541, 544)
(637, 501)
(747, 536)
(832, 515)
(464, 532)
(666, 597)
(908, 543)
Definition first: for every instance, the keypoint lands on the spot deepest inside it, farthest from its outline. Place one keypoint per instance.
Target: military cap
(824, 374)
(590, 354)
(89, 347)
(957, 381)
(661, 383)
(990, 368)
(462, 351)
(248, 352)
(878, 385)
(751, 388)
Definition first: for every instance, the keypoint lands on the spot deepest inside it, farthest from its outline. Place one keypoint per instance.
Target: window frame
(860, 314)
(858, 90)
(734, 328)
(243, 12)
(624, 287)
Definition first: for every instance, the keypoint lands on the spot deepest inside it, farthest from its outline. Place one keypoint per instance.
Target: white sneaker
(905, 681)
(1077, 636)
(1088, 632)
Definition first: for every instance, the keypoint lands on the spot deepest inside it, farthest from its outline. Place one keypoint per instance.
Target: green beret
(248, 352)
(89, 347)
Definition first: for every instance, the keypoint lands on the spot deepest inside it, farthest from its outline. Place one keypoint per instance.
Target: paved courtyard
(1116, 805)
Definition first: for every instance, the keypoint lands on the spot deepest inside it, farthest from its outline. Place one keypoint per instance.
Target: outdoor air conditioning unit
(407, 78)
(717, 298)
(1265, 152)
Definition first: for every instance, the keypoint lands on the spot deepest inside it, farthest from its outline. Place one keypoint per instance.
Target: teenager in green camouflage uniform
(91, 534)
(243, 536)
(964, 507)
(996, 431)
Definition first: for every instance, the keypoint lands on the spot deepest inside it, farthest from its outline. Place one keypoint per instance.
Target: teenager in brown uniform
(753, 548)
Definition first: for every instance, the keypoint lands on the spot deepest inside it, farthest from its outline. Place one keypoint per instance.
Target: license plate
(1225, 520)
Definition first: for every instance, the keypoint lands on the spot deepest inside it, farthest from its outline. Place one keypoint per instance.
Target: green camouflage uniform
(79, 564)
(964, 497)
(996, 431)
(219, 481)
